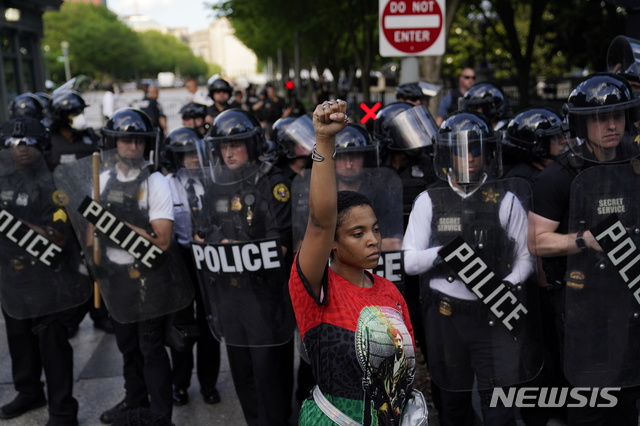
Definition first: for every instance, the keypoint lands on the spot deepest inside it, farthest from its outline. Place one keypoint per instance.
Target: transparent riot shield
(602, 317)
(41, 269)
(137, 279)
(479, 294)
(383, 188)
(239, 260)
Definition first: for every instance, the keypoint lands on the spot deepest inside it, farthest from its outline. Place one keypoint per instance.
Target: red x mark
(369, 112)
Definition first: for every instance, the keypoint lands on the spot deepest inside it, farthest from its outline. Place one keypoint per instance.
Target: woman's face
(357, 241)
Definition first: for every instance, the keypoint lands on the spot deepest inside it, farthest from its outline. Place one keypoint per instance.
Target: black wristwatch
(580, 240)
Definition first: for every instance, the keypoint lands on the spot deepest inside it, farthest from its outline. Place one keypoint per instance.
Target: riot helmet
(45, 100)
(219, 85)
(232, 129)
(535, 134)
(287, 132)
(623, 57)
(67, 110)
(486, 98)
(402, 127)
(602, 114)
(18, 135)
(193, 110)
(193, 116)
(26, 105)
(409, 92)
(466, 149)
(184, 148)
(355, 151)
(131, 125)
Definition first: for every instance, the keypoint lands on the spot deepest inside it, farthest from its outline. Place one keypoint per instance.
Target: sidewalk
(99, 385)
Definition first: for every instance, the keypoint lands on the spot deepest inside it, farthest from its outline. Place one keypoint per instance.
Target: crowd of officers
(159, 188)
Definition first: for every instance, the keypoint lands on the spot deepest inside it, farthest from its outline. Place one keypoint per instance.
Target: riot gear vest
(63, 150)
(476, 219)
(121, 198)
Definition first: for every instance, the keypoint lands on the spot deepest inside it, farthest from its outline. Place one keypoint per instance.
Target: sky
(170, 13)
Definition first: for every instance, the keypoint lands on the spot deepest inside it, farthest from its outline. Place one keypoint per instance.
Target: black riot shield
(239, 261)
(138, 280)
(41, 269)
(479, 296)
(602, 317)
(383, 188)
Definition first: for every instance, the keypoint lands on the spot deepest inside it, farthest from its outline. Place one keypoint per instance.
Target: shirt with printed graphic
(358, 340)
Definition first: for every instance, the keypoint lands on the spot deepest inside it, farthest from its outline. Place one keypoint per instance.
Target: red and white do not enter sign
(411, 27)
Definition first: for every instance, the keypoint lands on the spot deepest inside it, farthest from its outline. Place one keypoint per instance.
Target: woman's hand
(330, 117)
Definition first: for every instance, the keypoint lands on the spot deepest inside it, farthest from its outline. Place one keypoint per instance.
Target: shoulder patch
(59, 198)
(281, 192)
(60, 215)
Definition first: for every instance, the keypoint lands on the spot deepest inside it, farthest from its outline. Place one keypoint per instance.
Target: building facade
(21, 63)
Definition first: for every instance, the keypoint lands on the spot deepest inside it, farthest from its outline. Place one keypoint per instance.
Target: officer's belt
(448, 305)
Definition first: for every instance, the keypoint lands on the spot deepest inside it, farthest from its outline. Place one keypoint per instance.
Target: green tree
(100, 44)
(164, 52)
(103, 47)
(336, 37)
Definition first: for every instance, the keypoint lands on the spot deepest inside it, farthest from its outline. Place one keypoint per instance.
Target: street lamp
(65, 54)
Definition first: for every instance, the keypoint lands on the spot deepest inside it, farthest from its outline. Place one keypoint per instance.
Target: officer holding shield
(467, 240)
(42, 290)
(245, 227)
(594, 183)
(126, 229)
(184, 149)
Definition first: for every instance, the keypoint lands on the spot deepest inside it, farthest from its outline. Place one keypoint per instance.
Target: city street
(99, 385)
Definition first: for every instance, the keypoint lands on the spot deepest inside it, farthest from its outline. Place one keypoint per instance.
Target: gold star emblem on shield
(490, 196)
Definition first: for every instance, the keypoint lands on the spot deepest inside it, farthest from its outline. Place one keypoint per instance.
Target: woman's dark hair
(348, 199)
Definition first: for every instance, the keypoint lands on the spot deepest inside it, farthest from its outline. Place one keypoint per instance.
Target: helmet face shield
(301, 135)
(607, 133)
(411, 129)
(623, 57)
(466, 157)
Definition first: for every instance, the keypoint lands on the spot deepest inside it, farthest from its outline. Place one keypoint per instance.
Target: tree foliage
(103, 47)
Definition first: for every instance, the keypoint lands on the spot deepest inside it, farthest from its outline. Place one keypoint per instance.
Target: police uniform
(187, 194)
(252, 208)
(552, 201)
(39, 312)
(139, 199)
(63, 150)
(452, 313)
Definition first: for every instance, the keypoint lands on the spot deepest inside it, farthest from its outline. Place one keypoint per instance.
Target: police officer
(71, 138)
(293, 148)
(590, 297)
(42, 295)
(449, 102)
(404, 134)
(141, 275)
(465, 342)
(154, 110)
(489, 100)
(416, 93)
(292, 154)
(193, 115)
(220, 91)
(26, 105)
(184, 149)
(534, 138)
(249, 201)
